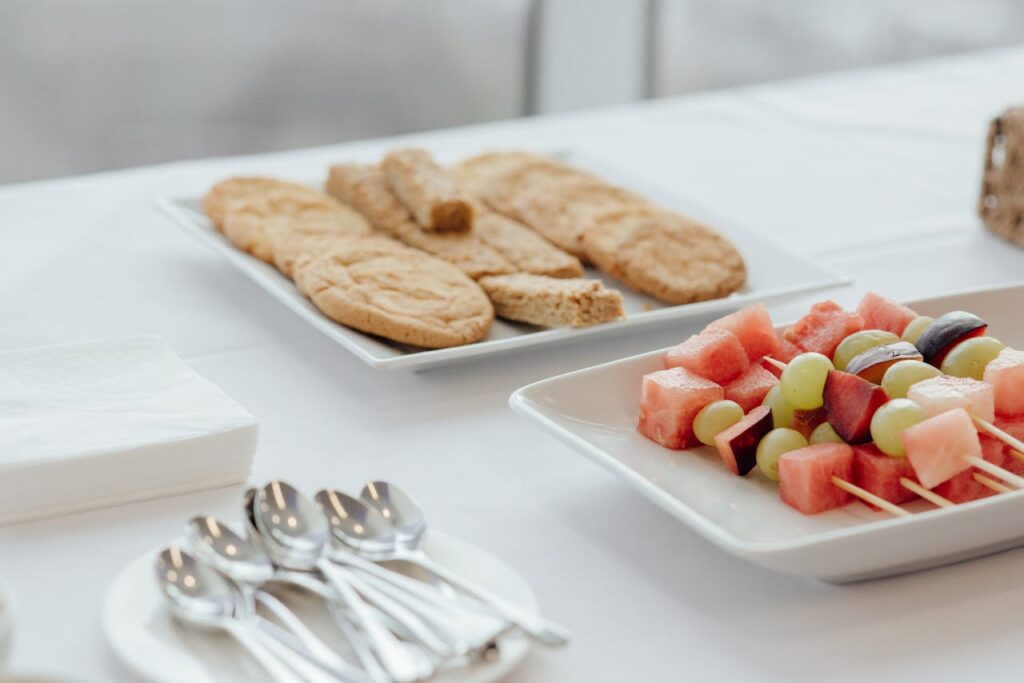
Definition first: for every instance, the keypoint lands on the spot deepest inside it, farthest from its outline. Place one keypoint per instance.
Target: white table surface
(875, 172)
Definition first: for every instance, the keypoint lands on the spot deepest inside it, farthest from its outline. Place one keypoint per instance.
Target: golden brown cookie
(217, 199)
(476, 173)
(428, 191)
(672, 258)
(552, 302)
(290, 248)
(254, 224)
(376, 285)
(365, 188)
(522, 247)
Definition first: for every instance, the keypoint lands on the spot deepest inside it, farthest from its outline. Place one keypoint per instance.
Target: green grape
(915, 327)
(716, 417)
(890, 420)
(969, 357)
(774, 444)
(824, 433)
(803, 380)
(902, 375)
(782, 412)
(859, 342)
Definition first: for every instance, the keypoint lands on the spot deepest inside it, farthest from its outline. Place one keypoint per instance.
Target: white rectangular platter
(773, 272)
(595, 412)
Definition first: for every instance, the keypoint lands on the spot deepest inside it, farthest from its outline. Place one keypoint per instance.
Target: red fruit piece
(714, 354)
(938, 447)
(738, 444)
(749, 389)
(788, 351)
(669, 400)
(1006, 375)
(964, 488)
(850, 403)
(881, 313)
(872, 363)
(823, 328)
(876, 472)
(753, 326)
(804, 421)
(1015, 428)
(805, 477)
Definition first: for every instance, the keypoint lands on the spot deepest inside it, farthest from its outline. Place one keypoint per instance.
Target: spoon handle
(534, 625)
(395, 657)
(309, 640)
(413, 625)
(260, 652)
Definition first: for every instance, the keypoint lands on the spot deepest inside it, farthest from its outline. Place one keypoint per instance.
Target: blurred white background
(89, 85)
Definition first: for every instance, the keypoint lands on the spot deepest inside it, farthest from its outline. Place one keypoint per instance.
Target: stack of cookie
(527, 278)
(1001, 205)
(424, 255)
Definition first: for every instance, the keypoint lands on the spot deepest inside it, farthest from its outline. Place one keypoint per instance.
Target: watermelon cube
(788, 350)
(738, 444)
(805, 421)
(823, 328)
(880, 313)
(805, 477)
(964, 488)
(714, 354)
(1015, 428)
(1006, 375)
(749, 389)
(850, 403)
(876, 472)
(938, 447)
(669, 400)
(753, 326)
(942, 393)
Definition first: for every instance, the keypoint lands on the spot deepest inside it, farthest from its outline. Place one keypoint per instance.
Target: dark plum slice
(947, 331)
(850, 403)
(872, 364)
(738, 444)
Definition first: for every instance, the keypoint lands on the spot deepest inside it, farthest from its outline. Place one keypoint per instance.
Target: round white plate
(156, 647)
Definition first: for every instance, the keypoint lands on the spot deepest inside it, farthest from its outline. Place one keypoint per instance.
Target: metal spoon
(200, 597)
(249, 567)
(315, 585)
(297, 534)
(408, 527)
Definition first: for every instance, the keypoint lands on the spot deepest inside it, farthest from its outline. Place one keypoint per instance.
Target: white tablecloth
(876, 172)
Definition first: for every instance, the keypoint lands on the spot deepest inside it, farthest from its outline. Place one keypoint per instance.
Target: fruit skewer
(975, 460)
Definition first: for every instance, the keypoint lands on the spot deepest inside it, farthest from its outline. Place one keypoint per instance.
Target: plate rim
(521, 403)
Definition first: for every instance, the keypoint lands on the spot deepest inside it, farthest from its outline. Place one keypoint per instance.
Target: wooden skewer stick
(777, 363)
(927, 494)
(990, 483)
(1015, 444)
(996, 471)
(869, 497)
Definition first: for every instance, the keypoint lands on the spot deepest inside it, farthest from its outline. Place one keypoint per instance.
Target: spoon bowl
(291, 526)
(355, 524)
(229, 553)
(397, 507)
(196, 594)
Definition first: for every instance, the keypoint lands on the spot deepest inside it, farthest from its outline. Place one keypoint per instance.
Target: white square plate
(595, 411)
(773, 272)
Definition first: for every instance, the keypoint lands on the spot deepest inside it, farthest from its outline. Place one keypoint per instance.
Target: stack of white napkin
(107, 422)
